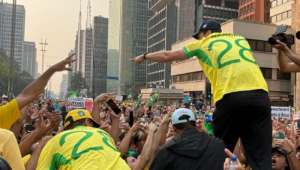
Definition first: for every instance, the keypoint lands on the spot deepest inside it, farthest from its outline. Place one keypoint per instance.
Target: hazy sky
(56, 21)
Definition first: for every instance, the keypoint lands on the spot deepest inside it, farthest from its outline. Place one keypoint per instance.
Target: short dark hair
(182, 126)
(212, 31)
(76, 123)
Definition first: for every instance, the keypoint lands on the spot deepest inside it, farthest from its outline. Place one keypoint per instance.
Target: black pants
(247, 115)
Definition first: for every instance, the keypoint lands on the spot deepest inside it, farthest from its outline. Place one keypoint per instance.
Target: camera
(280, 35)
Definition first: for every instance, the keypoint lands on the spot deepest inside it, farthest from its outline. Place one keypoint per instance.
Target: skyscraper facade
(255, 10)
(219, 10)
(99, 67)
(162, 34)
(87, 56)
(114, 43)
(29, 58)
(64, 86)
(6, 28)
(126, 40)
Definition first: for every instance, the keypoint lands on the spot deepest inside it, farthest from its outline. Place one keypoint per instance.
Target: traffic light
(208, 90)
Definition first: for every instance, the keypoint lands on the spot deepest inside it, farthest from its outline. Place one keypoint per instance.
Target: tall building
(281, 12)
(219, 10)
(127, 37)
(29, 58)
(36, 70)
(99, 67)
(185, 21)
(179, 18)
(161, 35)
(86, 64)
(6, 27)
(79, 50)
(114, 43)
(64, 86)
(255, 10)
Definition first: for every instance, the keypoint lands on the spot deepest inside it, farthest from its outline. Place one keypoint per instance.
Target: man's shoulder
(5, 134)
(10, 104)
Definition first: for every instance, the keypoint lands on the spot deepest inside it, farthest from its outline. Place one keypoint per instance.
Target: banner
(281, 112)
(119, 98)
(80, 103)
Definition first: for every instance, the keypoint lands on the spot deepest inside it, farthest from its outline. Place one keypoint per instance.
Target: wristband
(145, 56)
(289, 152)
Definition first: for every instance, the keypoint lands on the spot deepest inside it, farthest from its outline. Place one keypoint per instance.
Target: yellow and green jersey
(228, 63)
(81, 148)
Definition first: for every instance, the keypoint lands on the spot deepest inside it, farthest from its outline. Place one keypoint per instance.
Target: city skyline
(58, 24)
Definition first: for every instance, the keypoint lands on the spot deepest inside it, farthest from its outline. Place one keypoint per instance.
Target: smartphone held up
(113, 106)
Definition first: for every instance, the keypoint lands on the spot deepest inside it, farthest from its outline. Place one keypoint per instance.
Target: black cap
(207, 25)
(282, 152)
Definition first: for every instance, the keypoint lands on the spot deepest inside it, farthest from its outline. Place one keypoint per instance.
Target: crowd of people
(38, 133)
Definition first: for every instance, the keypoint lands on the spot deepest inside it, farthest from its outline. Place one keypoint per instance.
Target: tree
(77, 84)
(133, 88)
(20, 79)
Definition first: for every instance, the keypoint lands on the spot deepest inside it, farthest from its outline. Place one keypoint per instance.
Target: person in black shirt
(189, 149)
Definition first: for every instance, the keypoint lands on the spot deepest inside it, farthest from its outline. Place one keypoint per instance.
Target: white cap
(177, 116)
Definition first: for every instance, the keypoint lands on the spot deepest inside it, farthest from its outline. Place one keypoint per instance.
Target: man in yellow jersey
(239, 89)
(81, 146)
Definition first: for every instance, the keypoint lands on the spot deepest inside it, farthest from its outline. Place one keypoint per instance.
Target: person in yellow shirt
(81, 146)
(239, 89)
(10, 112)
(9, 150)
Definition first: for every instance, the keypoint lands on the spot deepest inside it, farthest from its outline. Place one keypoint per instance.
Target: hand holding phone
(29, 128)
(113, 106)
(279, 135)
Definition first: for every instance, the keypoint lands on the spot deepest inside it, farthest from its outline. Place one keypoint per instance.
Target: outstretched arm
(33, 90)
(282, 61)
(161, 57)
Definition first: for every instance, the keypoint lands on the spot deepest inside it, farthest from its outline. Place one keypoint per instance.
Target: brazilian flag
(153, 97)
(73, 95)
(129, 96)
(139, 101)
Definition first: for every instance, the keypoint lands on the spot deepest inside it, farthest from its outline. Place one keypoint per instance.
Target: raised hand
(55, 117)
(227, 162)
(104, 97)
(61, 66)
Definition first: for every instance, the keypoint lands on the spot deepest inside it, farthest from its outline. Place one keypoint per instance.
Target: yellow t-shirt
(26, 159)
(9, 113)
(81, 148)
(9, 150)
(228, 63)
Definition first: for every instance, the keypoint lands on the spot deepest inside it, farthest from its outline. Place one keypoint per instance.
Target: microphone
(298, 35)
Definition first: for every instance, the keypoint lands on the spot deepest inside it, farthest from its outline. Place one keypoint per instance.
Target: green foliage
(77, 84)
(20, 79)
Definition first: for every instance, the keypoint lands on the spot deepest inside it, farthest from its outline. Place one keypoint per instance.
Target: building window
(273, 19)
(259, 45)
(279, 2)
(289, 13)
(268, 47)
(267, 73)
(283, 76)
(188, 77)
